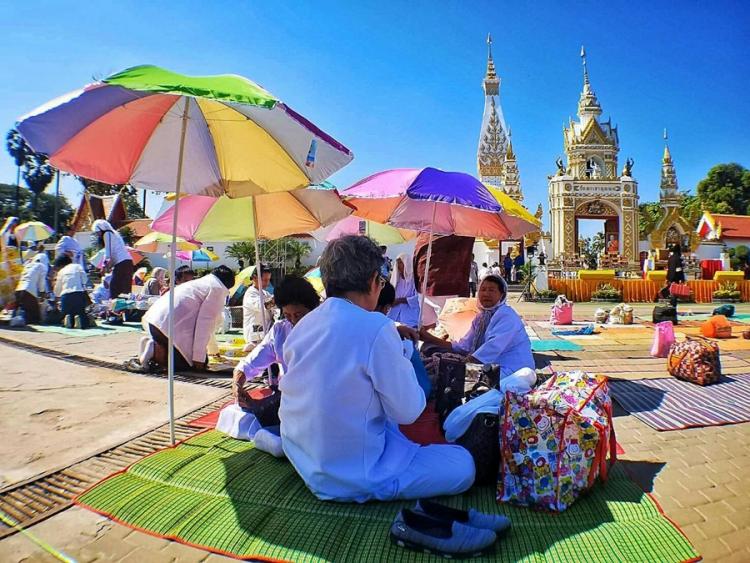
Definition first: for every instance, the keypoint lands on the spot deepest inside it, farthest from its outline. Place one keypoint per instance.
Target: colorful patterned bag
(554, 441)
(696, 360)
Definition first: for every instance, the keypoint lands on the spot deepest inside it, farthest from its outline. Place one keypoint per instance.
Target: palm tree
(18, 150)
(37, 174)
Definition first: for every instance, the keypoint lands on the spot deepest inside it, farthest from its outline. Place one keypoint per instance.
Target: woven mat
(671, 404)
(100, 330)
(554, 344)
(222, 495)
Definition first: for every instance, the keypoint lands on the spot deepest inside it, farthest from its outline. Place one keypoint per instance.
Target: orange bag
(717, 327)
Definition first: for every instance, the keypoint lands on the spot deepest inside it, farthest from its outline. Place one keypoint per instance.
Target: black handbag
(664, 313)
(449, 386)
(264, 403)
(482, 440)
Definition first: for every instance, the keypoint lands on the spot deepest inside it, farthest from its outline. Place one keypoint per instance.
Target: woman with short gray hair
(348, 386)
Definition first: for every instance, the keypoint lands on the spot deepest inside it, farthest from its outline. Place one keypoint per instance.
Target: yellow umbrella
(161, 243)
(518, 219)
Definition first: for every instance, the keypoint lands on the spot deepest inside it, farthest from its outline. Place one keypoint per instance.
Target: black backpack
(665, 313)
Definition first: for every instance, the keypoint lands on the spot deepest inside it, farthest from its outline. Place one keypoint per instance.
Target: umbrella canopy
(516, 217)
(315, 279)
(239, 139)
(430, 200)
(206, 218)
(201, 255)
(161, 243)
(33, 231)
(163, 131)
(98, 259)
(352, 225)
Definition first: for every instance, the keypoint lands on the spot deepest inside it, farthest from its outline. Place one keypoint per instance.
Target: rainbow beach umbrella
(276, 215)
(33, 231)
(160, 130)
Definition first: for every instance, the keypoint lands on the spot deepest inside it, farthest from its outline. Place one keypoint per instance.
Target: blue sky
(400, 82)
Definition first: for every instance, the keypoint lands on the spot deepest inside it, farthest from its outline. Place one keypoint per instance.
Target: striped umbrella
(159, 130)
(33, 231)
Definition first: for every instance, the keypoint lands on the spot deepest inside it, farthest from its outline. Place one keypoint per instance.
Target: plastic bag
(663, 339)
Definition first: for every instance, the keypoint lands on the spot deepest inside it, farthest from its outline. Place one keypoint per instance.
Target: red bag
(679, 289)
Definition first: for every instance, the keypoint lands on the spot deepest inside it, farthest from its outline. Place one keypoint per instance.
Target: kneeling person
(70, 287)
(197, 306)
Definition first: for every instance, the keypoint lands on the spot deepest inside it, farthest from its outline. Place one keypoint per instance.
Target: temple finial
(585, 69)
(667, 157)
(491, 74)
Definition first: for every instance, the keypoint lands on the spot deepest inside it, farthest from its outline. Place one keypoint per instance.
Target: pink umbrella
(429, 200)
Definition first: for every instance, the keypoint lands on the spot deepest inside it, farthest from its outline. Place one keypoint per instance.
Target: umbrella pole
(258, 272)
(427, 267)
(172, 259)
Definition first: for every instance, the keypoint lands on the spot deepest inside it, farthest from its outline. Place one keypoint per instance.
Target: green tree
(591, 248)
(649, 214)
(45, 211)
(37, 173)
(244, 250)
(726, 189)
(18, 150)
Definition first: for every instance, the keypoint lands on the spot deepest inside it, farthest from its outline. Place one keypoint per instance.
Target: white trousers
(436, 470)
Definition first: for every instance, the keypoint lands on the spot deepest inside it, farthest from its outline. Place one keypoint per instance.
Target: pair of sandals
(447, 531)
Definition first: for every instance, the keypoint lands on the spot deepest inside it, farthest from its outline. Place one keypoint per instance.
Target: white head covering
(100, 226)
(408, 269)
(485, 313)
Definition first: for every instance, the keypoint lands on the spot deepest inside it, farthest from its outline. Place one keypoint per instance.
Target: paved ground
(699, 476)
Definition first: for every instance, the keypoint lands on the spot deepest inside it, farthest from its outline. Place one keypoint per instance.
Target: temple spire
(490, 76)
(669, 194)
(585, 69)
(588, 105)
(667, 158)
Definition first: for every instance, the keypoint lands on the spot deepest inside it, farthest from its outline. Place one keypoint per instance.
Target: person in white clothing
(116, 257)
(256, 310)
(70, 246)
(295, 297)
(405, 309)
(497, 334)
(70, 287)
(31, 286)
(349, 385)
(197, 306)
(484, 271)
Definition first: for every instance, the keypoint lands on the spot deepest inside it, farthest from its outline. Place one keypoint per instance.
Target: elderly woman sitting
(157, 283)
(349, 385)
(497, 334)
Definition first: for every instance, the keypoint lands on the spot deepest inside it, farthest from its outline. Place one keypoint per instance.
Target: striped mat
(223, 495)
(672, 404)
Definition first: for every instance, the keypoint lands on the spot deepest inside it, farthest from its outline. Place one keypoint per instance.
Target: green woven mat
(100, 330)
(221, 494)
(555, 344)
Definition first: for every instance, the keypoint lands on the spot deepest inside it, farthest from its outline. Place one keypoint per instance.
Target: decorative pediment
(593, 134)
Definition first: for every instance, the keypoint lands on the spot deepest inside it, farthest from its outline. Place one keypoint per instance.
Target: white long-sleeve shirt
(505, 342)
(406, 313)
(33, 278)
(197, 305)
(70, 279)
(115, 250)
(269, 351)
(69, 245)
(347, 386)
(251, 311)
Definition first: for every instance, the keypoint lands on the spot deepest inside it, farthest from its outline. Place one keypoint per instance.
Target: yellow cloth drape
(640, 291)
